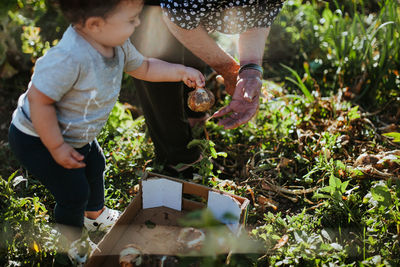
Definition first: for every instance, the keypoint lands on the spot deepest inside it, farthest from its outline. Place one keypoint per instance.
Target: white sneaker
(79, 251)
(102, 223)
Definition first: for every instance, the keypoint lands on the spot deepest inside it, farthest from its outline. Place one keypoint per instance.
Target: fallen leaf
(36, 247)
(264, 201)
(281, 242)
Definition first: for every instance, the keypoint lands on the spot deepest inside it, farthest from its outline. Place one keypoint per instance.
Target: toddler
(72, 91)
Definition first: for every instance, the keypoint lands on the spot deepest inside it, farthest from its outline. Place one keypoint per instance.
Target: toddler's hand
(68, 157)
(193, 78)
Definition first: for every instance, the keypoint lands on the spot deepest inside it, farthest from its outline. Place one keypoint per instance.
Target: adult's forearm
(251, 45)
(203, 46)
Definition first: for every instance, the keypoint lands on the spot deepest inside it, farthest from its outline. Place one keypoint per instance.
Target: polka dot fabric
(222, 15)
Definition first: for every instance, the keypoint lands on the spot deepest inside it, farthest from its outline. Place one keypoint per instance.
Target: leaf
(213, 152)
(394, 135)
(19, 179)
(355, 172)
(222, 154)
(36, 247)
(318, 196)
(12, 176)
(344, 186)
(340, 165)
(325, 234)
(299, 83)
(334, 182)
(381, 194)
(36, 206)
(353, 113)
(298, 238)
(336, 246)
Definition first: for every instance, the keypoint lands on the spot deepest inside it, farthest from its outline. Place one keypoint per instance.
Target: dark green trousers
(164, 104)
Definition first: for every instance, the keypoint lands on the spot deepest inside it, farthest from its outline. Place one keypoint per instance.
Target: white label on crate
(161, 192)
(225, 209)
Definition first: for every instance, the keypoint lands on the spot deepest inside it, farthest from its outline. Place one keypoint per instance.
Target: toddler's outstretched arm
(44, 119)
(155, 70)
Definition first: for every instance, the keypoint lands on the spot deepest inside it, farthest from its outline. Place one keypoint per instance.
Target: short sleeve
(261, 13)
(133, 59)
(186, 14)
(55, 73)
(228, 16)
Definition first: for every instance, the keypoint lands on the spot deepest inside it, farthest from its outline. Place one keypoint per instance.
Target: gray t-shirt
(84, 84)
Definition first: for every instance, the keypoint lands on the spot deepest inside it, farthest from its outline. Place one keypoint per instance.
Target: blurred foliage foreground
(320, 162)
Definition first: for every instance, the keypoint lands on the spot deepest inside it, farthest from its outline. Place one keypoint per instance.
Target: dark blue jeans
(75, 190)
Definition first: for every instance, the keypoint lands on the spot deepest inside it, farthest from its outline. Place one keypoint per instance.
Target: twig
(316, 206)
(368, 121)
(269, 186)
(206, 133)
(390, 141)
(371, 171)
(294, 200)
(251, 181)
(307, 200)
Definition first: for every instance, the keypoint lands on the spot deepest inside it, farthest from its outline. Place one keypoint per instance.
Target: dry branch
(276, 188)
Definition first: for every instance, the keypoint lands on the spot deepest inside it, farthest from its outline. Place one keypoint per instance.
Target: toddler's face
(121, 23)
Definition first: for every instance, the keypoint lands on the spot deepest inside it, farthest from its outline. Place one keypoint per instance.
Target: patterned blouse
(226, 16)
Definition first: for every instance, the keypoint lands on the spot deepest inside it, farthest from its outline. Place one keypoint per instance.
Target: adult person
(179, 32)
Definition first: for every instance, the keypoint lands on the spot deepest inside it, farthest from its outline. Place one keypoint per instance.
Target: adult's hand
(245, 101)
(246, 91)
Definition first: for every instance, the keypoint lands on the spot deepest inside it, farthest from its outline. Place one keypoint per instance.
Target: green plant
(343, 46)
(26, 236)
(297, 240)
(299, 82)
(394, 135)
(127, 150)
(382, 222)
(304, 140)
(205, 166)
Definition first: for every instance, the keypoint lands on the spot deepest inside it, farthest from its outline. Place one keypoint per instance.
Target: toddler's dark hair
(78, 11)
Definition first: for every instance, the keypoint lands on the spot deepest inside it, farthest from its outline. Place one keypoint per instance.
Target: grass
(314, 201)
